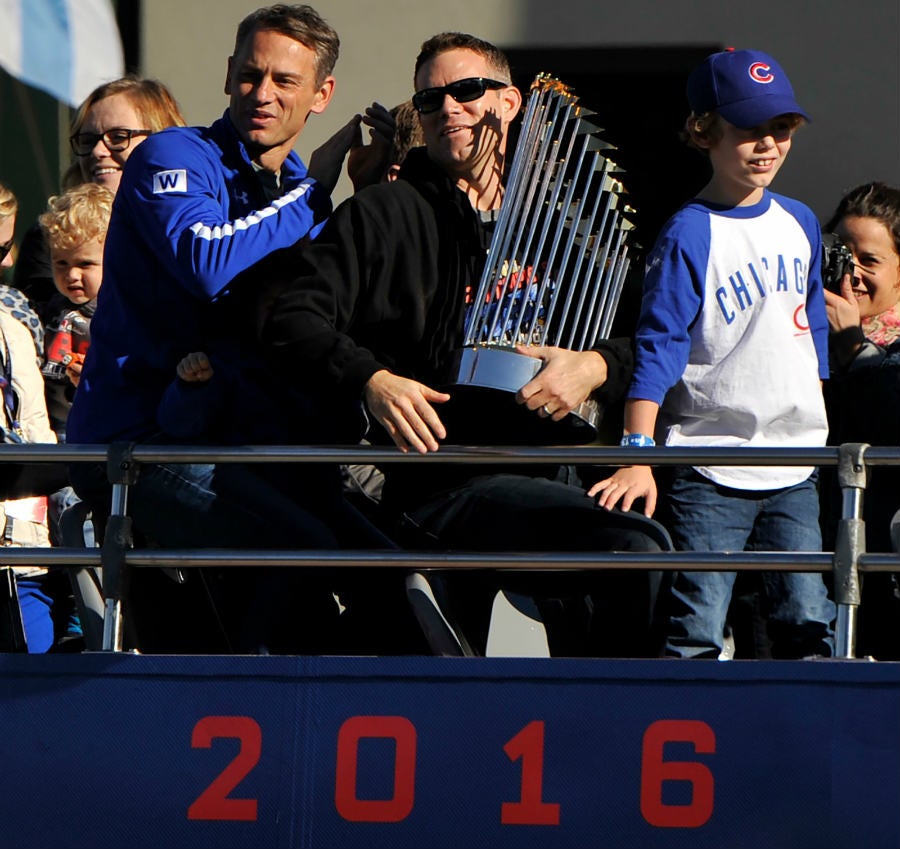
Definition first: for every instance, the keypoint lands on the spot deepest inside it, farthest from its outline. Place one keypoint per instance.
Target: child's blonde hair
(77, 216)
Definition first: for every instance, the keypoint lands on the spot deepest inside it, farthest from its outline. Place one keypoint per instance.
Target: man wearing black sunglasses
(377, 312)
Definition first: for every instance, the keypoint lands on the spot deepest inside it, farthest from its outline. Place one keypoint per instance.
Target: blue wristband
(637, 440)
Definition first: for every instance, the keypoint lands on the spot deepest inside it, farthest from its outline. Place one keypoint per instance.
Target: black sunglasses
(115, 139)
(462, 91)
(6, 248)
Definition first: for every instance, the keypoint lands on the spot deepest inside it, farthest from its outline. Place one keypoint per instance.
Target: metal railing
(123, 462)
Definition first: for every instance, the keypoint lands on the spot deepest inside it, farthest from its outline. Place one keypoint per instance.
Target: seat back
(87, 581)
(422, 591)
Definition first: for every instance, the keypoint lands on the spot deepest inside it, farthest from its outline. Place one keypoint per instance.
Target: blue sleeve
(672, 299)
(175, 191)
(193, 411)
(815, 289)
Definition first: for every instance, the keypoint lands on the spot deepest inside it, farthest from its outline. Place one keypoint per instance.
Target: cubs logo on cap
(761, 72)
(746, 87)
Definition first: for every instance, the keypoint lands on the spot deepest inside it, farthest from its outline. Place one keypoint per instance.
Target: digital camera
(836, 261)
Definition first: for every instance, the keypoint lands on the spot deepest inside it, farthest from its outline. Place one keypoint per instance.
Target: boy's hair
(707, 128)
(871, 200)
(301, 23)
(77, 216)
(445, 41)
(150, 98)
(8, 203)
(408, 133)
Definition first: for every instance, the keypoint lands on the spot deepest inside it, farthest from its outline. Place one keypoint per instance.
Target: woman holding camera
(864, 311)
(863, 395)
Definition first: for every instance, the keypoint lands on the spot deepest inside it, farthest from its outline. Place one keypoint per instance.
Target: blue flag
(64, 47)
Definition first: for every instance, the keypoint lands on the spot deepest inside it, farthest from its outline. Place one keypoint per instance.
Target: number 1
(528, 746)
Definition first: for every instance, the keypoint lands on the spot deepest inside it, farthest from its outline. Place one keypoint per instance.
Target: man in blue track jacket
(197, 207)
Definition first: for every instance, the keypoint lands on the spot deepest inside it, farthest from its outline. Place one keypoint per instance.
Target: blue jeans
(237, 506)
(709, 517)
(203, 505)
(58, 502)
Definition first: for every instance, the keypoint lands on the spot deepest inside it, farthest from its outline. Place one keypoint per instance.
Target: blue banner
(124, 750)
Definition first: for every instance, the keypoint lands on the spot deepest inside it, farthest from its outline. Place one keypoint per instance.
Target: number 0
(399, 806)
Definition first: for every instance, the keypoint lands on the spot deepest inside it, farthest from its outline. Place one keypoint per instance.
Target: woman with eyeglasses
(111, 122)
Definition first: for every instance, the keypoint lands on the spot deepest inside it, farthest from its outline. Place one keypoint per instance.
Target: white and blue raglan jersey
(189, 216)
(732, 338)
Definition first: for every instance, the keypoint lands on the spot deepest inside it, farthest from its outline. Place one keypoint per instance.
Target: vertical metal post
(117, 539)
(850, 544)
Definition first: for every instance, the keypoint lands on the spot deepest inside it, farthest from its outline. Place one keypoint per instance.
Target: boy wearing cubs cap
(731, 347)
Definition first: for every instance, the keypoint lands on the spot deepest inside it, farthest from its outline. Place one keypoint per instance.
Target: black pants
(255, 608)
(601, 612)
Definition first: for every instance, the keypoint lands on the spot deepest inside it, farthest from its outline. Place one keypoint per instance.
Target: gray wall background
(843, 60)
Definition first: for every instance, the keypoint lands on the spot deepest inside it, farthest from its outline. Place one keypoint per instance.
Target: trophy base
(485, 372)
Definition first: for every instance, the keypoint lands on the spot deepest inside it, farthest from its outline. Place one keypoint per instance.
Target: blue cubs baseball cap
(746, 87)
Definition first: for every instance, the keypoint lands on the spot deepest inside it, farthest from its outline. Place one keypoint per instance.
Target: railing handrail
(123, 461)
(495, 455)
(709, 561)
(788, 561)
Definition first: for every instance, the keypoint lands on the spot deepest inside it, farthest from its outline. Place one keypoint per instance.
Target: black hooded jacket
(384, 287)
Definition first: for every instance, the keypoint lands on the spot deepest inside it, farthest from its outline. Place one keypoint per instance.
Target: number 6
(654, 771)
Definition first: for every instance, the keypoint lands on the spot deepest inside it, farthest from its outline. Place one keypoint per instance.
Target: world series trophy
(557, 259)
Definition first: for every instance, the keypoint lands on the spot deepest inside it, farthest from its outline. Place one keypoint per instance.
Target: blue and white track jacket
(189, 216)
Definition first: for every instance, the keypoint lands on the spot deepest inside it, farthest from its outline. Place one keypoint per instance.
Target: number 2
(214, 802)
